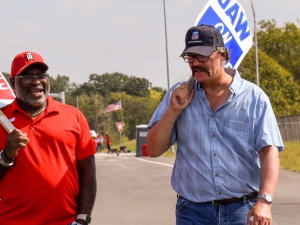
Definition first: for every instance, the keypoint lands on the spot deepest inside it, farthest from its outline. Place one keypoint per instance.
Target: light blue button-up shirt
(218, 152)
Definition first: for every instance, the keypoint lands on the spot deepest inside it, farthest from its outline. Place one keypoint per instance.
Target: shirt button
(219, 193)
(213, 135)
(212, 116)
(216, 175)
(215, 154)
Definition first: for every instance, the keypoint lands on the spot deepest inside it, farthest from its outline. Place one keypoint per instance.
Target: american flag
(114, 107)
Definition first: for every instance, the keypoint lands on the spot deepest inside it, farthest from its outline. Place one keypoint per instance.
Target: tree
(118, 82)
(59, 84)
(282, 44)
(278, 83)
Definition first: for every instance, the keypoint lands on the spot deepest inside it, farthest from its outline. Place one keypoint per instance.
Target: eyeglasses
(201, 58)
(29, 78)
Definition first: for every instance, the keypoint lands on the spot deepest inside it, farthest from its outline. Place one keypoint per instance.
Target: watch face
(268, 198)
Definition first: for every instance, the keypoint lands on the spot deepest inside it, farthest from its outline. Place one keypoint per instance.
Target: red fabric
(25, 59)
(107, 140)
(42, 185)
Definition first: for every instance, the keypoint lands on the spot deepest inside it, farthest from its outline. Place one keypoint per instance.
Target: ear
(12, 82)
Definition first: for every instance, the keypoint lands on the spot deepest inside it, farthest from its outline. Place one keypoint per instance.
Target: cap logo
(195, 35)
(29, 56)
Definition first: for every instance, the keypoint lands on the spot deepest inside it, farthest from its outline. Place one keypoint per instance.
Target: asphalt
(137, 191)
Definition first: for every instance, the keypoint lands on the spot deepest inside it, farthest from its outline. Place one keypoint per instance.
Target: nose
(35, 80)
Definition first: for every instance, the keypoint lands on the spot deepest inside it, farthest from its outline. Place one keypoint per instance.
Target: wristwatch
(267, 197)
(87, 218)
(2, 161)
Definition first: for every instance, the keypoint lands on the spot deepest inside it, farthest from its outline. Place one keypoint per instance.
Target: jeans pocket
(181, 203)
(251, 203)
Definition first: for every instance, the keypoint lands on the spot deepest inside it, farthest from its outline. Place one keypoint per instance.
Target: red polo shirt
(42, 185)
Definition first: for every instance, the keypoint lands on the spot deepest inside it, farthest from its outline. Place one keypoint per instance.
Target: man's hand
(15, 140)
(180, 98)
(261, 213)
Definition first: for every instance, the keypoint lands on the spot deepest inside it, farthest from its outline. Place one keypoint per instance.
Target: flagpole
(122, 119)
(256, 51)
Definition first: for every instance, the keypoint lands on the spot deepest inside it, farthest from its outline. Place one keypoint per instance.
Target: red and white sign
(120, 126)
(6, 94)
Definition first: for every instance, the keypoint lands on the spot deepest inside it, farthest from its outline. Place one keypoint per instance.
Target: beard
(200, 69)
(23, 94)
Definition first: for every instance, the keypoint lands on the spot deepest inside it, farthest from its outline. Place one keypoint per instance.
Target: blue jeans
(190, 213)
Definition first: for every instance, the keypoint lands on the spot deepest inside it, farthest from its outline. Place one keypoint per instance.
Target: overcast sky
(80, 37)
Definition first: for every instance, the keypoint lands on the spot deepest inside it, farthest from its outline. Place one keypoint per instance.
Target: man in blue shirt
(228, 141)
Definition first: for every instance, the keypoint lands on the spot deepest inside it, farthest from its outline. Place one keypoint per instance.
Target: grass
(130, 145)
(289, 157)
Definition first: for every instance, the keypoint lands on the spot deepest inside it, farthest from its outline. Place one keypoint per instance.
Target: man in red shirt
(47, 164)
(107, 143)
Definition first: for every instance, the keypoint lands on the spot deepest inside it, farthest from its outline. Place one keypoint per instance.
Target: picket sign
(6, 93)
(229, 18)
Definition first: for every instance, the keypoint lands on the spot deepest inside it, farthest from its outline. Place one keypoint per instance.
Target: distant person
(95, 143)
(99, 143)
(228, 140)
(107, 143)
(47, 165)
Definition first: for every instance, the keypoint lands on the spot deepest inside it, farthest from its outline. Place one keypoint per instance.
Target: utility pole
(166, 38)
(256, 51)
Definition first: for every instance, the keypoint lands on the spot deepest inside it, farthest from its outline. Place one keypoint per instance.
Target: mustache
(200, 68)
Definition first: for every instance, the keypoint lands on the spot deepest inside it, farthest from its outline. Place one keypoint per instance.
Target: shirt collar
(51, 106)
(236, 83)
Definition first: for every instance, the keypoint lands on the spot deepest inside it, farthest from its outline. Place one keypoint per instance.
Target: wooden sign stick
(8, 126)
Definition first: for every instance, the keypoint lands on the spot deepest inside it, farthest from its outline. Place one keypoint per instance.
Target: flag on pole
(114, 107)
(6, 93)
(230, 19)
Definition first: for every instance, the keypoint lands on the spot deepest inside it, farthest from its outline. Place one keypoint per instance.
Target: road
(137, 191)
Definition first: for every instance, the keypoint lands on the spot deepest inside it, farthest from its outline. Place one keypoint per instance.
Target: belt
(229, 200)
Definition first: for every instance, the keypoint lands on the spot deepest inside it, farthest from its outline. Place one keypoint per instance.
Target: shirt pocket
(239, 134)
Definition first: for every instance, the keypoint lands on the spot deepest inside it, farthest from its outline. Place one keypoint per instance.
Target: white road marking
(164, 164)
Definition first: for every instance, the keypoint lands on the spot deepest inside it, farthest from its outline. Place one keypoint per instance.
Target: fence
(289, 127)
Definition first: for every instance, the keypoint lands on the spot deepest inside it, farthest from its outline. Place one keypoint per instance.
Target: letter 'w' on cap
(25, 59)
(202, 40)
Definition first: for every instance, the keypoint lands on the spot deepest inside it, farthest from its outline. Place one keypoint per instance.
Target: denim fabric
(218, 151)
(75, 223)
(190, 213)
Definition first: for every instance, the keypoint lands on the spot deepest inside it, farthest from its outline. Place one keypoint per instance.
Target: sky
(77, 38)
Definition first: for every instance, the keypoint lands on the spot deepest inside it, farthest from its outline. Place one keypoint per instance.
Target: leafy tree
(282, 44)
(59, 84)
(135, 110)
(158, 89)
(118, 82)
(278, 83)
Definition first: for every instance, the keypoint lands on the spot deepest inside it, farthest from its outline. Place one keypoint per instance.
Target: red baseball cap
(25, 59)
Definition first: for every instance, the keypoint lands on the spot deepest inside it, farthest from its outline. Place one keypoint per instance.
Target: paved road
(137, 191)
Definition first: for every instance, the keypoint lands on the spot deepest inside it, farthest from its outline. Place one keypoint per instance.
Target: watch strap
(3, 162)
(267, 197)
(86, 217)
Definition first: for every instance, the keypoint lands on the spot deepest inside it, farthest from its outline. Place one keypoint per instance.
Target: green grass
(289, 157)
(130, 145)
